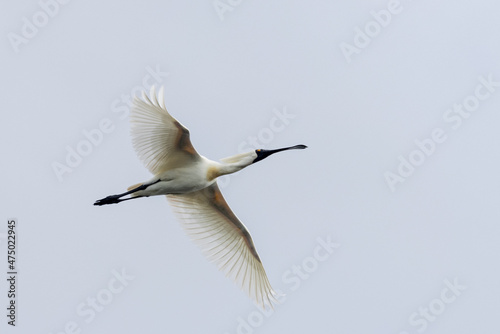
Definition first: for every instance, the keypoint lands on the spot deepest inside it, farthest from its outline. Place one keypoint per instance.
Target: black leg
(113, 199)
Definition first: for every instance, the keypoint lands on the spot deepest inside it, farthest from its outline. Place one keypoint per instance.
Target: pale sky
(387, 223)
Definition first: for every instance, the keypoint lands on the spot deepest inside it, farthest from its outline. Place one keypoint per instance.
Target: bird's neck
(235, 163)
(229, 168)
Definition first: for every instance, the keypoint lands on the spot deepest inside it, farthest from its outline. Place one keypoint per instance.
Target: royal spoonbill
(188, 180)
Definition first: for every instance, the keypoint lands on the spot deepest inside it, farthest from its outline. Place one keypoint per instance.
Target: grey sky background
(387, 223)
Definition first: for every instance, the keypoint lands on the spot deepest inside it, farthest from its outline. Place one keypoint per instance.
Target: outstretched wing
(224, 239)
(160, 141)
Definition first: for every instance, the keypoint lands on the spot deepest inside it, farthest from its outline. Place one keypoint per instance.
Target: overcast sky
(387, 223)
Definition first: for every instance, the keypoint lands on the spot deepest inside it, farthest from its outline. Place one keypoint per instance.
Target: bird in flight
(188, 180)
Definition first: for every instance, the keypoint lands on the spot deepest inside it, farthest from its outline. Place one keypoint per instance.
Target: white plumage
(189, 182)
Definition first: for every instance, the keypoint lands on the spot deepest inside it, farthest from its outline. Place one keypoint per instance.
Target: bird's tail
(135, 194)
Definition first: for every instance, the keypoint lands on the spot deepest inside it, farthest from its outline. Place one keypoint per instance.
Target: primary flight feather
(188, 180)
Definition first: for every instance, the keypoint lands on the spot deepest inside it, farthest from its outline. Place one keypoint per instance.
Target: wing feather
(160, 141)
(222, 237)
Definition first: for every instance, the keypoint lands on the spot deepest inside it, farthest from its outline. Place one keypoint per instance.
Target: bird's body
(189, 181)
(180, 180)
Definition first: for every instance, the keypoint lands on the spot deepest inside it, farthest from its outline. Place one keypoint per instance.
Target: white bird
(188, 180)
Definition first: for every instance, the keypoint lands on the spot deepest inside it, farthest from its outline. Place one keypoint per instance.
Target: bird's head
(240, 161)
(262, 154)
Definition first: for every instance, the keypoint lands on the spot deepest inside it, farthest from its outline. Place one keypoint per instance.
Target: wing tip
(152, 99)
